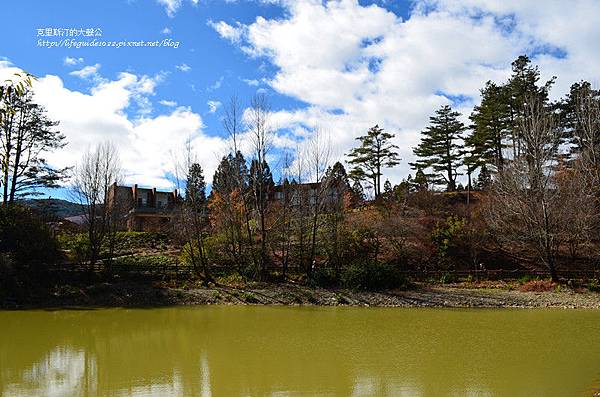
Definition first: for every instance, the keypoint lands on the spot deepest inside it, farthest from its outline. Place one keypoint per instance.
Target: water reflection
(62, 372)
(266, 351)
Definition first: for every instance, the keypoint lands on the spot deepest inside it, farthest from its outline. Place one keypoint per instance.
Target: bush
(27, 239)
(372, 276)
(78, 246)
(445, 236)
(325, 277)
(593, 285)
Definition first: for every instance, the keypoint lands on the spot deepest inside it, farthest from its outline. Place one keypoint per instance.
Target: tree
(484, 179)
(375, 153)
(439, 149)
(523, 86)
(581, 115)
(196, 218)
(526, 208)
(228, 205)
(93, 176)
(491, 125)
(318, 155)
(260, 175)
(26, 134)
(358, 193)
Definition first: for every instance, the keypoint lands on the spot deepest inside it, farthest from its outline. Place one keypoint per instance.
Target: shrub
(372, 276)
(538, 286)
(26, 238)
(593, 285)
(445, 236)
(325, 277)
(78, 246)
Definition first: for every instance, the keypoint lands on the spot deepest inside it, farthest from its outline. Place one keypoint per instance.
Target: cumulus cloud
(148, 145)
(357, 65)
(166, 30)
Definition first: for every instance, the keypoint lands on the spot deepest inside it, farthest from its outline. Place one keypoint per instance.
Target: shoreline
(131, 295)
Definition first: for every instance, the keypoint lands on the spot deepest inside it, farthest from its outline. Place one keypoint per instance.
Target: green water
(287, 351)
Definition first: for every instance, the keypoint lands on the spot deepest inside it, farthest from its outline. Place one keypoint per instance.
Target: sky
(337, 66)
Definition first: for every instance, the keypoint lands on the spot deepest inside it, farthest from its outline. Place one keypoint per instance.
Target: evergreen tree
(231, 174)
(357, 192)
(439, 149)
(579, 115)
(195, 189)
(261, 182)
(337, 178)
(491, 126)
(484, 179)
(420, 182)
(375, 153)
(26, 135)
(523, 88)
(387, 189)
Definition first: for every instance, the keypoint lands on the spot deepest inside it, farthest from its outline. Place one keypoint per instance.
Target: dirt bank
(128, 294)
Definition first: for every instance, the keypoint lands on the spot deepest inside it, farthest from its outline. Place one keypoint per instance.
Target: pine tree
(439, 149)
(484, 179)
(357, 192)
(420, 183)
(373, 155)
(26, 135)
(231, 174)
(523, 88)
(195, 189)
(491, 126)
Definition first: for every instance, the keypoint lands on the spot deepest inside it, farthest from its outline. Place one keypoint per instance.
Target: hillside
(54, 207)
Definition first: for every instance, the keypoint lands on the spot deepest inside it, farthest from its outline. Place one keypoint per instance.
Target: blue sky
(338, 66)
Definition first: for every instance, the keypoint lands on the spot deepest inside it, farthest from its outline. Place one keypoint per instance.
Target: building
(309, 194)
(143, 209)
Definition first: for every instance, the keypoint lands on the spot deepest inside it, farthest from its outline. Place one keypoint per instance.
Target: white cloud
(216, 85)
(171, 6)
(167, 103)
(213, 106)
(87, 72)
(227, 31)
(183, 67)
(70, 61)
(356, 65)
(251, 82)
(147, 145)
(166, 30)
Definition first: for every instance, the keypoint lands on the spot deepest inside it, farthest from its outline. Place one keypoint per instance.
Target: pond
(299, 351)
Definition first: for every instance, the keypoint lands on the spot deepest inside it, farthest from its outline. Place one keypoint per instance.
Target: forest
(511, 187)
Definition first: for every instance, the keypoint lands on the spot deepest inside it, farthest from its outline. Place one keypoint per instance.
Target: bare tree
(587, 136)
(526, 208)
(233, 125)
(261, 135)
(318, 156)
(97, 171)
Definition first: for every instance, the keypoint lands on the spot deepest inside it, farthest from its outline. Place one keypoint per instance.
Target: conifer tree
(375, 153)
(491, 126)
(439, 150)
